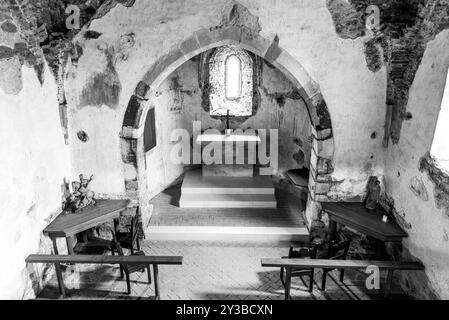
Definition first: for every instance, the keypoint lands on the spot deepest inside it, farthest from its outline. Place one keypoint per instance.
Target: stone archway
(133, 156)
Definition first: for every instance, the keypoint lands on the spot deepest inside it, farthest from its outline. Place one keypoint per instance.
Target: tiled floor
(217, 270)
(168, 213)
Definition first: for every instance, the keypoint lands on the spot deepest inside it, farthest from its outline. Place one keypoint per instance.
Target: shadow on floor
(52, 293)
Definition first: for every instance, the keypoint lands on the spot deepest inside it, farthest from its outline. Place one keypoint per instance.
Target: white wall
(33, 167)
(429, 233)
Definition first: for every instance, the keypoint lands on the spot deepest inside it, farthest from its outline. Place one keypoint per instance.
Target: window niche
(440, 148)
(231, 82)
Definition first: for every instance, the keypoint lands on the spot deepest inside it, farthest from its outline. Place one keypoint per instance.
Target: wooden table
(368, 222)
(66, 225)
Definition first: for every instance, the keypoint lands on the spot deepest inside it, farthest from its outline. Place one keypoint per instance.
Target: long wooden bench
(102, 259)
(390, 266)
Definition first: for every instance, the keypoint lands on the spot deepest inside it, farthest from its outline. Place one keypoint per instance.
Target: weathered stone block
(322, 188)
(324, 178)
(131, 185)
(231, 33)
(324, 134)
(204, 38)
(9, 27)
(313, 158)
(258, 44)
(11, 75)
(133, 112)
(321, 198)
(141, 89)
(324, 166)
(6, 52)
(325, 148)
(129, 151)
(273, 52)
(190, 45)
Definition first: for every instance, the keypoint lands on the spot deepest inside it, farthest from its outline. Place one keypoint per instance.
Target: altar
(238, 153)
(227, 178)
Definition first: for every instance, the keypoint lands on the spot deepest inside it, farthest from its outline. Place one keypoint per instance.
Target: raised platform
(195, 183)
(216, 233)
(284, 224)
(199, 191)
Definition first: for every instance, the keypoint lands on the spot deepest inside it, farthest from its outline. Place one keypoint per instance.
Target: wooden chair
(129, 269)
(130, 240)
(298, 272)
(93, 245)
(336, 251)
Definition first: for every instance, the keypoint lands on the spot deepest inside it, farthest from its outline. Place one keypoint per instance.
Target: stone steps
(227, 200)
(195, 183)
(216, 233)
(198, 191)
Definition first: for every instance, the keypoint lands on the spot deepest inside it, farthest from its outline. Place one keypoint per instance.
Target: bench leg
(388, 284)
(128, 282)
(342, 275)
(60, 279)
(288, 281)
(323, 280)
(156, 282)
(149, 274)
(311, 281)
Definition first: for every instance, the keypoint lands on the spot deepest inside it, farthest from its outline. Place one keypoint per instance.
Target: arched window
(440, 144)
(233, 78)
(231, 82)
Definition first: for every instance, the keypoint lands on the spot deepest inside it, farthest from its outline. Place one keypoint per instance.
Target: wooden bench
(102, 259)
(390, 266)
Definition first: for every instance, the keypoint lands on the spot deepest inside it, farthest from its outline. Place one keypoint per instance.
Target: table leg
(116, 224)
(55, 246)
(156, 282)
(288, 281)
(69, 241)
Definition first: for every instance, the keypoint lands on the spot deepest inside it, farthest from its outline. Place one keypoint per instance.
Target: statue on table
(81, 196)
(374, 189)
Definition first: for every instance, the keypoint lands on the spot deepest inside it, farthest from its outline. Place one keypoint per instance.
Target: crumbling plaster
(34, 167)
(428, 224)
(351, 91)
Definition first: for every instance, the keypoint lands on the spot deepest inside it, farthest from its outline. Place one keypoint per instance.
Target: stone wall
(415, 185)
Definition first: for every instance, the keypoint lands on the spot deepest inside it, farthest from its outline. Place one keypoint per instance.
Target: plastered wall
(34, 165)
(426, 222)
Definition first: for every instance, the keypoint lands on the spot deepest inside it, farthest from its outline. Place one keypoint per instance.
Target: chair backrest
(115, 244)
(135, 226)
(339, 251)
(302, 252)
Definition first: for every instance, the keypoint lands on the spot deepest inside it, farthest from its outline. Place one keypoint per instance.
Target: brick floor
(211, 270)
